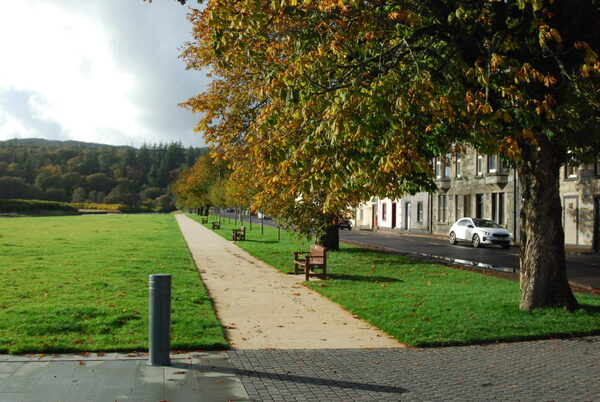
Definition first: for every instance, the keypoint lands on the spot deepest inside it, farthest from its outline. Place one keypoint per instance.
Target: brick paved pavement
(551, 370)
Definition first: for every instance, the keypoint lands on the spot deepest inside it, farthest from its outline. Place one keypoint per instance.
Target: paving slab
(195, 376)
(549, 370)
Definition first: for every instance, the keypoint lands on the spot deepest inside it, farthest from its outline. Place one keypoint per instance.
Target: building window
(597, 166)
(498, 202)
(503, 166)
(458, 166)
(458, 206)
(420, 211)
(384, 211)
(442, 208)
(442, 167)
(447, 166)
(479, 165)
(492, 165)
(479, 205)
(570, 171)
(467, 205)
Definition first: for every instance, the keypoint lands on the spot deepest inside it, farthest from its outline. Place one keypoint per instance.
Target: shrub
(36, 207)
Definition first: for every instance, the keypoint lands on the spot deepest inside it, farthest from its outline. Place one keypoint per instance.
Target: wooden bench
(216, 225)
(239, 234)
(308, 262)
(204, 220)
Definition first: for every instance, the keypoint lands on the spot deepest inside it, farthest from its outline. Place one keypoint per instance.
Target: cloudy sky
(101, 71)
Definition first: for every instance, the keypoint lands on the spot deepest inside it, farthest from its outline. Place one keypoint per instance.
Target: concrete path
(262, 308)
(201, 376)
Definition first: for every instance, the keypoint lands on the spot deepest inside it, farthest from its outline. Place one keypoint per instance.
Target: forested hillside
(74, 171)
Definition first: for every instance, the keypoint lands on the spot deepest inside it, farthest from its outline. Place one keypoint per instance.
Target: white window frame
(492, 164)
(447, 168)
(438, 168)
(479, 165)
(419, 211)
(570, 171)
(442, 208)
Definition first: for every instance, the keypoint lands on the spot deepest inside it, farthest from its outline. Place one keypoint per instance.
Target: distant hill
(41, 142)
(75, 171)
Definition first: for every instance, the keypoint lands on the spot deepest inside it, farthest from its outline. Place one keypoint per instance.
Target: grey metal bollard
(159, 325)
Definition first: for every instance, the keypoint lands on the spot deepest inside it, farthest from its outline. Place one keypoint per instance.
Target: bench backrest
(318, 251)
(243, 230)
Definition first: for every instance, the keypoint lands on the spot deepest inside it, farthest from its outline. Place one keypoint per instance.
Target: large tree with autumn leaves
(345, 99)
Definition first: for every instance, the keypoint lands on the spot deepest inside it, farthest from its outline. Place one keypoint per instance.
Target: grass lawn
(80, 283)
(423, 304)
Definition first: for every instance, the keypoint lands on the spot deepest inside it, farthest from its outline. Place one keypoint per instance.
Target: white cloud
(80, 74)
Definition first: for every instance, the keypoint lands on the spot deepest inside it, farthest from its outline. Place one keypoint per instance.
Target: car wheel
(476, 241)
(452, 238)
(506, 246)
(349, 229)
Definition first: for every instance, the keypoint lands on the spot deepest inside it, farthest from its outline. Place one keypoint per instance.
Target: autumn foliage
(343, 100)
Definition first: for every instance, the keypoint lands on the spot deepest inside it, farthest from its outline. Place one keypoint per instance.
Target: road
(583, 269)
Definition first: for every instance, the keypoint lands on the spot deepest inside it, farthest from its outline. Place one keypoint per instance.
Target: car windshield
(485, 223)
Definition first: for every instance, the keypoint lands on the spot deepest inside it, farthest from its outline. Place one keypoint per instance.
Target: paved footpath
(551, 370)
(261, 307)
(198, 376)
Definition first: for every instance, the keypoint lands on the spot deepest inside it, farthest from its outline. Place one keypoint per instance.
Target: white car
(262, 215)
(479, 232)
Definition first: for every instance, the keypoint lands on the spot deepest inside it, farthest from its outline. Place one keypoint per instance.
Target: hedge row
(36, 207)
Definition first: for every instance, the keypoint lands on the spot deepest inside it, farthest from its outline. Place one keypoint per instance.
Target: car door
(459, 229)
(469, 229)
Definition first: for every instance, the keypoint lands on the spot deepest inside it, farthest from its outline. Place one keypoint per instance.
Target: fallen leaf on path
(179, 372)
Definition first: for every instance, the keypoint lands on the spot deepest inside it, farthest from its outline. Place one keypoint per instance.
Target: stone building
(580, 196)
(477, 185)
(481, 186)
(408, 213)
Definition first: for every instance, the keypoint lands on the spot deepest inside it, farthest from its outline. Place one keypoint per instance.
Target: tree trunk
(543, 273)
(331, 238)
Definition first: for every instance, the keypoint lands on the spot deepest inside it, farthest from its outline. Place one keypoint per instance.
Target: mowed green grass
(424, 304)
(80, 283)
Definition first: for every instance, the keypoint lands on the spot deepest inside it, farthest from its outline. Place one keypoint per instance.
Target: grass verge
(81, 284)
(423, 304)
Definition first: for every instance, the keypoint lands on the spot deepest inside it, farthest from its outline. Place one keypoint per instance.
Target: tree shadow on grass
(261, 241)
(364, 278)
(369, 253)
(590, 309)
